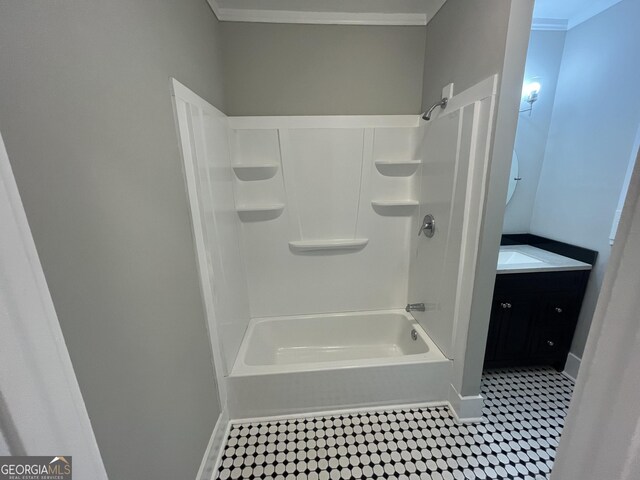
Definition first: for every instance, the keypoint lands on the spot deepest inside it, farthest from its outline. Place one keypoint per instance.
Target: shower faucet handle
(428, 226)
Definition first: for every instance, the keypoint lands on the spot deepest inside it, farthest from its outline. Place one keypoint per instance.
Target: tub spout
(415, 307)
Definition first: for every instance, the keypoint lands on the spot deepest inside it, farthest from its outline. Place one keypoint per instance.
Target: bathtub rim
(242, 369)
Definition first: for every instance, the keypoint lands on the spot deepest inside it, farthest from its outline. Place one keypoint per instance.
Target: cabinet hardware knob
(550, 343)
(558, 309)
(503, 305)
(508, 305)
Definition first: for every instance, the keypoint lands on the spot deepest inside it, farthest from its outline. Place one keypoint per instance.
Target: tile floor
(524, 414)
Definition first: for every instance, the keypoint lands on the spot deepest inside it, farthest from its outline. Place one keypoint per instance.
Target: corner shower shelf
(397, 169)
(252, 172)
(336, 244)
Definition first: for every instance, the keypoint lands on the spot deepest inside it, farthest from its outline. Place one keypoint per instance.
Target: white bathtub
(314, 362)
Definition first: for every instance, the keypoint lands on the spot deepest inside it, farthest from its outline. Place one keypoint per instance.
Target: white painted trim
(325, 18)
(572, 367)
(213, 454)
(41, 399)
(474, 204)
(181, 93)
(342, 411)
(324, 121)
(465, 409)
(551, 24)
(475, 93)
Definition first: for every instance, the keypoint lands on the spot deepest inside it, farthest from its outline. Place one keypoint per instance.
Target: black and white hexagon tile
(524, 414)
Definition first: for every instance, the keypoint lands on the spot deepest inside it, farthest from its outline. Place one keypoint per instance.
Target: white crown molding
(326, 18)
(553, 24)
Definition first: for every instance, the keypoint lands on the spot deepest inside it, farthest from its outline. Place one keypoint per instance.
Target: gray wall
(590, 141)
(543, 61)
(279, 69)
(465, 44)
(86, 115)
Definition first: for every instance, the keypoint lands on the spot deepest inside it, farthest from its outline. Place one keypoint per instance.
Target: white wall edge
(572, 367)
(324, 121)
(326, 18)
(466, 409)
(213, 454)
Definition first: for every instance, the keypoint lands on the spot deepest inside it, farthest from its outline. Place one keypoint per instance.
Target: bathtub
(331, 361)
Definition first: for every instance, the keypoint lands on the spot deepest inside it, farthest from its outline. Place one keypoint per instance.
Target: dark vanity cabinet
(534, 316)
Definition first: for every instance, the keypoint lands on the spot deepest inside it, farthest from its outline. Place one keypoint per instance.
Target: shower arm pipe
(442, 104)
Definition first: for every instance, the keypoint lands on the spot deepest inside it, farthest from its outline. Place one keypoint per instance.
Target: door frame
(42, 411)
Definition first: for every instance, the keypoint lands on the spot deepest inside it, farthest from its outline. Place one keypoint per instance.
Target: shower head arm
(442, 104)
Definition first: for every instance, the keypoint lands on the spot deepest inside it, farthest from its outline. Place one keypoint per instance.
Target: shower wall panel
(453, 187)
(325, 215)
(204, 135)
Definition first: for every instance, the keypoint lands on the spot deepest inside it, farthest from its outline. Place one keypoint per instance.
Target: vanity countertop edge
(548, 261)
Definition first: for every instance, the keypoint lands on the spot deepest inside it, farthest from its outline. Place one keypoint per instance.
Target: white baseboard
(213, 454)
(572, 367)
(466, 409)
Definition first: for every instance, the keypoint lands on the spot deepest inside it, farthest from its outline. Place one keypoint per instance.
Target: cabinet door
(553, 330)
(517, 311)
(548, 345)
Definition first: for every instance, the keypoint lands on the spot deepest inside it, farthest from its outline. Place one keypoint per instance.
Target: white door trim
(42, 409)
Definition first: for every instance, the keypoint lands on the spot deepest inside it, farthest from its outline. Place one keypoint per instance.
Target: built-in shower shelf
(266, 207)
(335, 244)
(397, 168)
(394, 203)
(266, 211)
(252, 172)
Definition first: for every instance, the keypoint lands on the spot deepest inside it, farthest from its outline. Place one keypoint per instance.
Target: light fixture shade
(530, 90)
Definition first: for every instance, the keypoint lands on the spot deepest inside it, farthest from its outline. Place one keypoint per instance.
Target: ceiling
(548, 14)
(345, 12)
(566, 14)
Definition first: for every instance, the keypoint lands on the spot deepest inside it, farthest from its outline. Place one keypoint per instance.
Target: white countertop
(528, 259)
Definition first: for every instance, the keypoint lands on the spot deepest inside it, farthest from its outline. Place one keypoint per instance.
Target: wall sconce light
(530, 93)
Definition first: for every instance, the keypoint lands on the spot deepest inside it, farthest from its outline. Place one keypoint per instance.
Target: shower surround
(308, 244)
